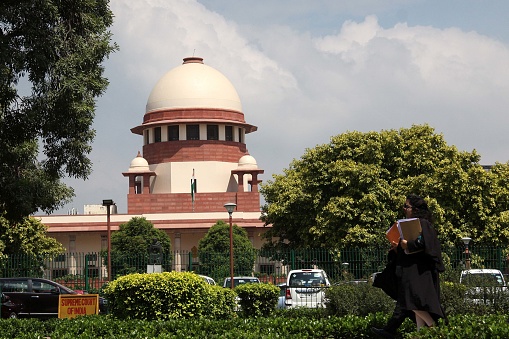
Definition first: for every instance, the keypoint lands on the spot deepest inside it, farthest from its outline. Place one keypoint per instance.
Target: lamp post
(345, 270)
(466, 241)
(230, 207)
(108, 204)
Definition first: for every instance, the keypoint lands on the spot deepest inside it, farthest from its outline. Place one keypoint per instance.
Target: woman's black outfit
(416, 278)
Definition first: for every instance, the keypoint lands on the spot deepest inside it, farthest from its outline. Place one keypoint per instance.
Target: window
(157, 134)
(92, 272)
(137, 185)
(147, 137)
(173, 133)
(59, 272)
(267, 269)
(193, 132)
(228, 133)
(240, 134)
(14, 285)
(43, 287)
(212, 132)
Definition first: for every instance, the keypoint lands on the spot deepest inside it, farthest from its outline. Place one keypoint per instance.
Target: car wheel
(12, 315)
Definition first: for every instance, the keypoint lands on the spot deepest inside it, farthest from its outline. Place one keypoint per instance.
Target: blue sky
(309, 70)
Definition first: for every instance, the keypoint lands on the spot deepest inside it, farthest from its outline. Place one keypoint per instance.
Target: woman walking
(416, 274)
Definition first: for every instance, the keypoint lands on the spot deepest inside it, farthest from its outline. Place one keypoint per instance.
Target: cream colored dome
(247, 162)
(193, 85)
(139, 164)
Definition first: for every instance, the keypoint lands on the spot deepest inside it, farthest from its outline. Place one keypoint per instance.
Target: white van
(483, 284)
(306, 288)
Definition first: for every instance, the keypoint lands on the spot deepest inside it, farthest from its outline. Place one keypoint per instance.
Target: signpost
(73, 305)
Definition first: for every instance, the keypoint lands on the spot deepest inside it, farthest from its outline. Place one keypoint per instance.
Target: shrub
(168, 295)
(257, 299)
(356, 299)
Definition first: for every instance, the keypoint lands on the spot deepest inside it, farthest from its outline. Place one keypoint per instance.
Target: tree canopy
(50, 74)
(28, 236)
(349, 192)
(214, 251)
(131, 246)
(137, 235)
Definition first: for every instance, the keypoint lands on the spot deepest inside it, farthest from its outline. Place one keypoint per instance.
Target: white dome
(247, 162)
(139, 164)
(193, 85)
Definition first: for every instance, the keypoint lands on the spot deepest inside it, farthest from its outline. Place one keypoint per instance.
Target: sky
(309, 70)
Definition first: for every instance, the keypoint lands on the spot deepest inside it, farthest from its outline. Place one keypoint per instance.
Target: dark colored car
(9, 309)
(34, 298)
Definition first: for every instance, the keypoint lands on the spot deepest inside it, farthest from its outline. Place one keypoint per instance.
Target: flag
(193, 187)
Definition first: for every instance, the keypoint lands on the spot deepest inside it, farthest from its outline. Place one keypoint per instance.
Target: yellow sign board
(73, 305)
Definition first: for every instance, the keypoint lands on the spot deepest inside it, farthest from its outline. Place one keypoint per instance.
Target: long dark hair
(419, 207)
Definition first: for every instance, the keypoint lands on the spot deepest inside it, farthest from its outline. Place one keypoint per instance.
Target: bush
(257, 299)
(168, 295)
(357, 299)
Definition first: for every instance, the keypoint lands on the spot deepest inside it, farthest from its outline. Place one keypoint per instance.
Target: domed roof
(247, 162)
(139, 164)
(193, 85)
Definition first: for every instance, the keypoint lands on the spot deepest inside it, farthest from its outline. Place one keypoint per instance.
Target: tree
(131, 247)
(27, 237)
(50, 74)
(214, 252)
(348, 192)
(24, 247)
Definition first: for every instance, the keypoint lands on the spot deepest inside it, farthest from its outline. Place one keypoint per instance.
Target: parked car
(483, 284)
(306, 288)
(208, 280)
(35, 297)
(240, 280)
(9, 309)
(282, 296)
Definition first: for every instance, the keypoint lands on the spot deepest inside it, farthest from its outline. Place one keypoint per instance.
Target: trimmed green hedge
(356, 299)
(105, 327)
(168, 295)
(257, 299)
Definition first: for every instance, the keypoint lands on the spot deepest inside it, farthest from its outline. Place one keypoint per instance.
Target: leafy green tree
(214, 252)
(24, 247)
(132, 247)
(27, 237)
(349, 192)
(50, 74)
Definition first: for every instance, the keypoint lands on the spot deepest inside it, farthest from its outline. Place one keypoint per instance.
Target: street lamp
(108, 204)
(345, 270)
(466, 241)
(230, 207)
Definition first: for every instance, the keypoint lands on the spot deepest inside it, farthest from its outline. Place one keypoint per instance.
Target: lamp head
(108, 202)
(466, 240)
(230, 207)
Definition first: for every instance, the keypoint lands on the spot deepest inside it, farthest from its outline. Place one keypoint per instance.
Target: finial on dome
(139, 154)
(193, 59)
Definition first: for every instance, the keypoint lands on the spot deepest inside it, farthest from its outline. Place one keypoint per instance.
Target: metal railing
(88, 271)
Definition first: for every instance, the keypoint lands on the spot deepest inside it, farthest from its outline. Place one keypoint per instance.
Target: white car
(240, 280)
(483, 284)
(306, 288)
(208, 280)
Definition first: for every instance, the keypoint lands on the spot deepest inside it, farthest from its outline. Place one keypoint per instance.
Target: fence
(88, 271)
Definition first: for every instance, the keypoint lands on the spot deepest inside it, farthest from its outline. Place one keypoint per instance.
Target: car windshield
(306, 279)
(240, 281)
(483, 279)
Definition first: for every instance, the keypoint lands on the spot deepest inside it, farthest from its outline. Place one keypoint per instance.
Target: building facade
(194, 159)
